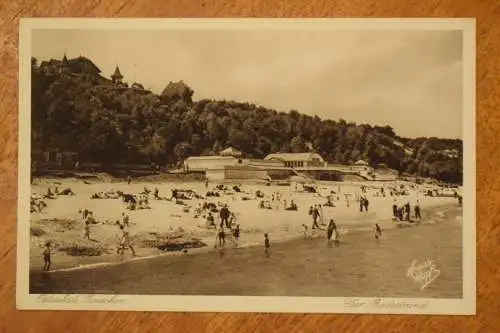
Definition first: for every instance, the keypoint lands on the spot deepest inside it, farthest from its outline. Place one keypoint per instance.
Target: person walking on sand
(346, 200)
(125, 242)
(417, 211)
(366, 203)
(361, 203)
(267, 245)
(129, 180)
(378, 231)
(407, 211)
(395, 209)
(47, 253)
(224, 216)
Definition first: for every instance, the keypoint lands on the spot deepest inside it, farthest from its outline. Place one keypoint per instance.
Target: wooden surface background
(487, 13)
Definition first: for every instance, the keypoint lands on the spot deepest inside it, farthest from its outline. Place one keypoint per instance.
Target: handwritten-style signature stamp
(423, 273)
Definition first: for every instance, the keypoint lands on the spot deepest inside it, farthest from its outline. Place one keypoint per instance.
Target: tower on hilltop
(117, 77)
(64, 65)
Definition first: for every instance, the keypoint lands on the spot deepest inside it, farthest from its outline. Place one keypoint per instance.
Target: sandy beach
(358, 267)
(168, 217)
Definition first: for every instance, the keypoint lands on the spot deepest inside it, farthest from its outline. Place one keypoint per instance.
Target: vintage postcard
(255, 165)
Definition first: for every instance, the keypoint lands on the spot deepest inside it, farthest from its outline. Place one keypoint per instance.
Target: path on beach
(359, 267)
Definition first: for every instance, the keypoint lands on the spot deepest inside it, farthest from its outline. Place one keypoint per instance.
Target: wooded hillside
(76, 109)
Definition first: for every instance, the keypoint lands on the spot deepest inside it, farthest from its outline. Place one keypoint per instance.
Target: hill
(74, 108)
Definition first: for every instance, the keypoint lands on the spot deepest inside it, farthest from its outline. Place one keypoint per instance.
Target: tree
(182, 150)
(176, 91)
(298, 145)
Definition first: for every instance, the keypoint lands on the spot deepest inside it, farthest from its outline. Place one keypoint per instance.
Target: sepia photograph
(247, 165)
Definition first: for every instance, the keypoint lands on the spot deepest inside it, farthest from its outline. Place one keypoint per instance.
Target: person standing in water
(335, 233)
(378, 231)
(315, 215)
(47, 253)
(224, 216)
(304, 230)
(329, 232)
(221, 236)
(236, 232)
(267, 245)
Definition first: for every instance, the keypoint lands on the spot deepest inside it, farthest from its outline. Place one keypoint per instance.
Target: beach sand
(358, 267)
(166, 216)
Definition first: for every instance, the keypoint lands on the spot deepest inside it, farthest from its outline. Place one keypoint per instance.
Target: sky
(408, 79)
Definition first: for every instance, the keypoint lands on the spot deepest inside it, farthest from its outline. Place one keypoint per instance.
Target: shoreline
(358, 256)
(432, 214)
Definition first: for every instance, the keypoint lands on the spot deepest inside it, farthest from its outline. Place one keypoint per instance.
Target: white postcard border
(464, 306)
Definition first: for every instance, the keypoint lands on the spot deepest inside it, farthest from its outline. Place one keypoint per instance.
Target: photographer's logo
(423, 273)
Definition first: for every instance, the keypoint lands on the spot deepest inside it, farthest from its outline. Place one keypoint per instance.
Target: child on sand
(125, 242)
(46, 256)
(304, 230)
(210, 223)
(126, 220)
(267, 244)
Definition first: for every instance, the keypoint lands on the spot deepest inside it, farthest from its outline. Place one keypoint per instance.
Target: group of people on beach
(38, 203)
(226, 227)
(403, 212)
